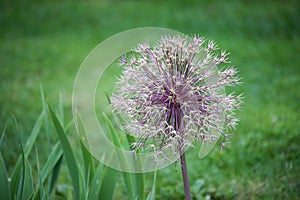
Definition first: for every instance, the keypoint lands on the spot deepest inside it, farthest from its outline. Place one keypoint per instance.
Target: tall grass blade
(25, 190)
(55, 156)
(96, 184)
(138, 178)
(108, 183)
(61, 109)
(41, 193)
(116, 140)
(47, 120)
(69, 155)
(4, 185)
(55, 173)
(88, 161)
(151, 195)
(15, 177)
(89, 168)
(15, 180)
(3, 134)
(34, 133)
(83, 185)
(134, 182)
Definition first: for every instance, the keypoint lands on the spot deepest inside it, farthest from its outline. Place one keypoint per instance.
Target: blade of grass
(15, 180)
(151, 195)
(28, 147)
(96, 184)
(69, 155)
(40, 194)
(20, 133)
(101, 185)
(127, 176)
(55, 173)
(139, 185)
(88, 161)
(108, 183)
(28, 190)
(89, 168)
(47, 121)
(138, 178)
(83, 185)
(34, 133)
(4, 185)
(134, 182)
(3, 134)
(54, 157)
(25, 189)
(61, 109)
(19, 189)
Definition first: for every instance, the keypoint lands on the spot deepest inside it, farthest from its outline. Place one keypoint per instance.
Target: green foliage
(4, 185)
(69, 155)
(151, 195)
(96, 184)
(22, 168)
(25, 188)
(134, 182)
(90, 180)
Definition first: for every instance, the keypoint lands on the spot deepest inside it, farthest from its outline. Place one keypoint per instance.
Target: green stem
(185, 177)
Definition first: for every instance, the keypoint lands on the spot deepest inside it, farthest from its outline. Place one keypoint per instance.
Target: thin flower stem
(185, 177)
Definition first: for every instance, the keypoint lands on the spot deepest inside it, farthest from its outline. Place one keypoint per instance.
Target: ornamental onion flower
(172, 94)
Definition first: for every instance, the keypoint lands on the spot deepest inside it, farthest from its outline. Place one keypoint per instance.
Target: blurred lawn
(44, 43)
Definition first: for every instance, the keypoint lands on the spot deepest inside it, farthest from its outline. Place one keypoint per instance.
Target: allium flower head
(173, 93)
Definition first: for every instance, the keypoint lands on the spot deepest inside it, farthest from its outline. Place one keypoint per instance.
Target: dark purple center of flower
(173, 112)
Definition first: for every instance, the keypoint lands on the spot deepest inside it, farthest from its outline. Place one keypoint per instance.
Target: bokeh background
(42, 44)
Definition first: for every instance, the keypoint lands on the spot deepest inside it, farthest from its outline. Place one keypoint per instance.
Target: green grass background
(44, 43)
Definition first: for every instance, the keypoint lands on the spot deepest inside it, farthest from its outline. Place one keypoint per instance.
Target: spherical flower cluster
(173, 93)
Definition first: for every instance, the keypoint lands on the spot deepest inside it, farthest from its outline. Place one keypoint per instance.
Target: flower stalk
(186, 183)
(172, 94)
